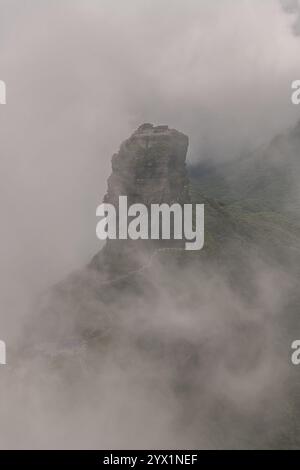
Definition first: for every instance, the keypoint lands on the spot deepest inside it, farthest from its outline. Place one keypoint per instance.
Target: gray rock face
(149, 169)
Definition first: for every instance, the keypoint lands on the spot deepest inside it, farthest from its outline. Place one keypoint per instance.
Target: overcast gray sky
(82, 74)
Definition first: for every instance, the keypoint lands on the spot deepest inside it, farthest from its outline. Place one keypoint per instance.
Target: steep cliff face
(150, 168)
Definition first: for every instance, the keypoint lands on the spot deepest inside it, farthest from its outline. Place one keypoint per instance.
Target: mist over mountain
(194, 344)
(81, 75)
(266, 178)
(114, 346)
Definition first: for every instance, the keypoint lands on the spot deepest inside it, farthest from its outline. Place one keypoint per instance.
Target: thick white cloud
(82, 74)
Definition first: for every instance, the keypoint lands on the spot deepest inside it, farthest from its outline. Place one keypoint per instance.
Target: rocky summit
(150, 168)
